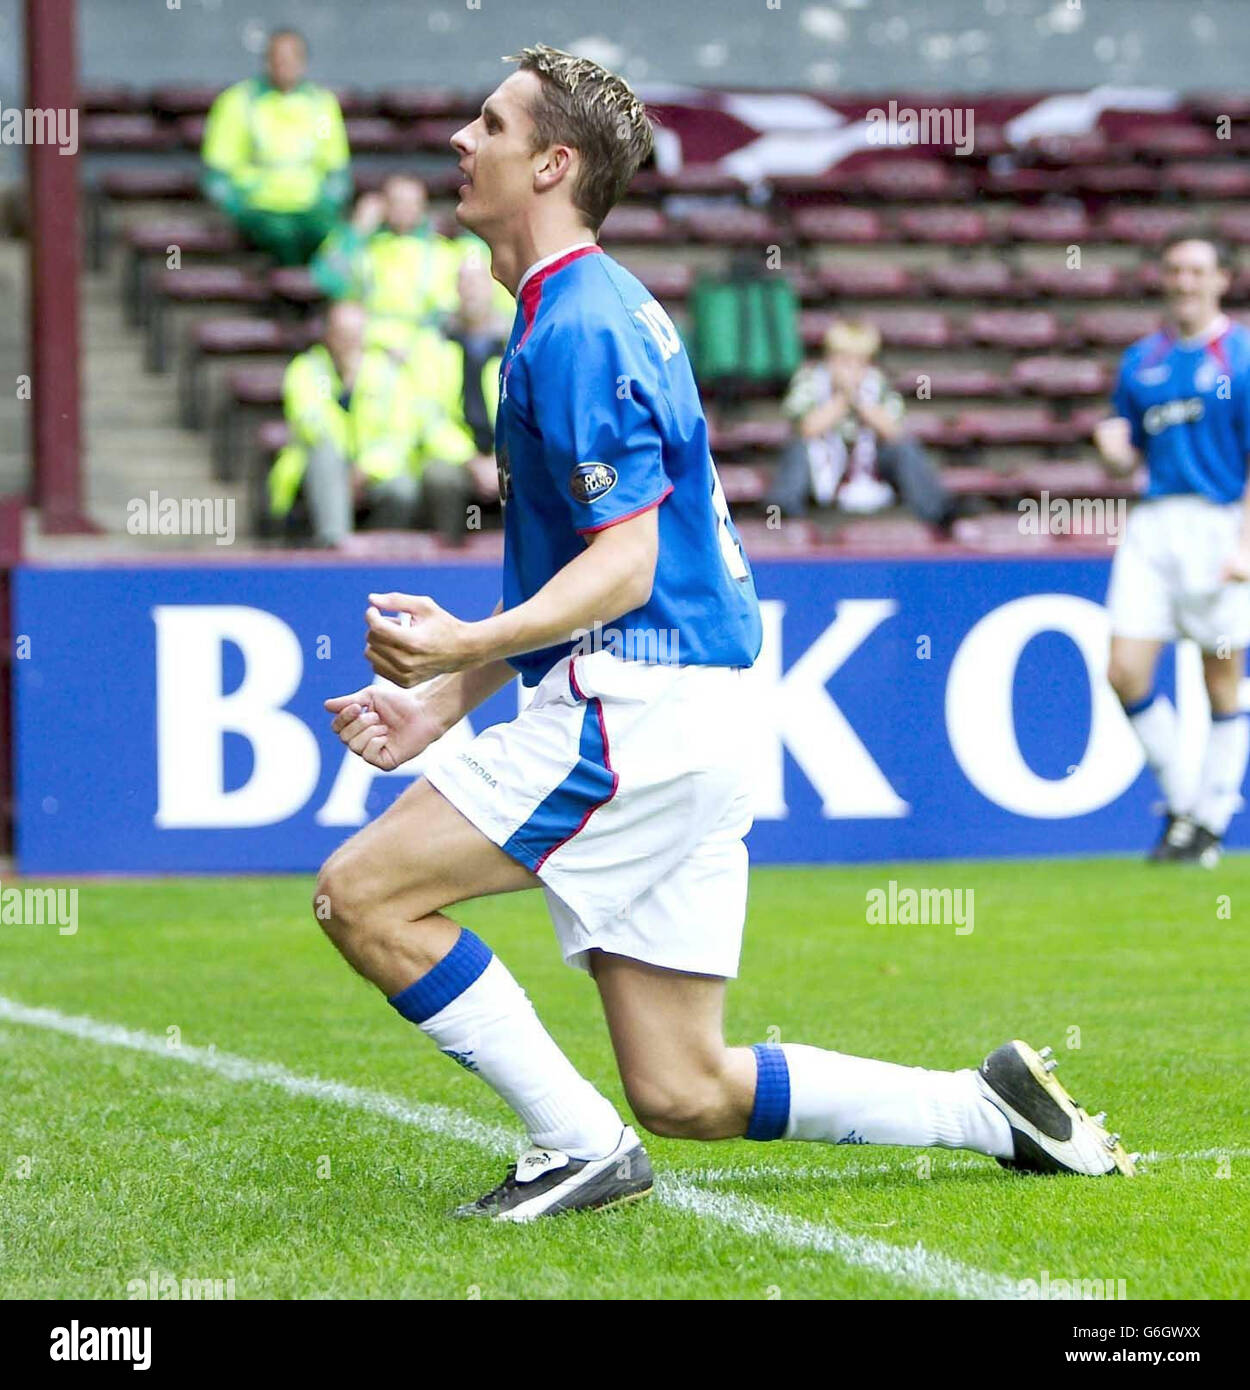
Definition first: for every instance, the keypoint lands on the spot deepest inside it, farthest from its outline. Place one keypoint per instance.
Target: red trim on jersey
(629, 516)
(1216, 348)
(531, 295)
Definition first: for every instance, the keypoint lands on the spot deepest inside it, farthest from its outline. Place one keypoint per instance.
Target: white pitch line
(910, 1264)
(913, 1265)
(435, 1119)
(844, 1172)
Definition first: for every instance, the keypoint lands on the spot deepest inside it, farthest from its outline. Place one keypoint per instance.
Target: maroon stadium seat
(1000, 533)
(1175, 140)
(418, 103)
(671, 281)
(196, 285)
(1028, 182)
(800, 186)
(1066, 150)
(700, 178)
(110, 99)
(377, 135)
(1060, 282)
(1146, 226)
(247, 391)
(148, 239)
(184, 100)
(137, 133)
(921, 328)
(636, 222)
(150, 185)
(744, 486)
(233, 337)
(946, 226)
(1138, 179)
(1064, 224)
(930, 426)
(197, 237)
(295, 285)
(1060, 376)
(761, 537)
(838, 224)
(432, 135)
(967, 481)
(907, 178)
(982, 279)
(272, 436)
(730, 225)
(191, 131)
(1076, 479)
(942, 383)
(1025, 329)
(1225, 180)
(748, 436)
(259, 385)
(814, 324)
(1113, 327)
(864, 280)
(886, 535)
(1020, 424)
(1210, 106)
(211, 285)
(1234, 225)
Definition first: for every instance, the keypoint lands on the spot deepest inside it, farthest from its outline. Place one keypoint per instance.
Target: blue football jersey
(1189, 407)
(600, 420)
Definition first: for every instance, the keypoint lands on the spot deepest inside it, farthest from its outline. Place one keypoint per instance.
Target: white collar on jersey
(1208, 335)
(549, 260)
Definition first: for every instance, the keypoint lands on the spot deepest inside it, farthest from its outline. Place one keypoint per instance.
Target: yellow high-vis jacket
(275, 151)
(401, 413)
(407, 281)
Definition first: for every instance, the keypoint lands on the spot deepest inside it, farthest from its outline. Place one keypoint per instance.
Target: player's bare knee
(342, 900)
(1129, 683)
(684, 1107)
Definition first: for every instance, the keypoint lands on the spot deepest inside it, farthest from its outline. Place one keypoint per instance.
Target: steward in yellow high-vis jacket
(391, 259)
(275, 155)
(374, 434)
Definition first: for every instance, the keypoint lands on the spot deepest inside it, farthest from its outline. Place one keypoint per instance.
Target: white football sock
(1155, 727)
(489, 1026)
(1223, 772)
(836, 1099)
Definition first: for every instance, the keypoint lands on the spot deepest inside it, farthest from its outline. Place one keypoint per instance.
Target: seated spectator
(275, 155)
(480, 333)
(354, 424)
(851, 449)
(390, 259)
(379, 438)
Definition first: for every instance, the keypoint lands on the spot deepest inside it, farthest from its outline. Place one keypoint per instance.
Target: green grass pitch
(123, 1154)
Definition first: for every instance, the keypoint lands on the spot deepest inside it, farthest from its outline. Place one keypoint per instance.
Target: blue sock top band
(1224, 718)
(1140, 706)
(457, 970)
(771, 1111)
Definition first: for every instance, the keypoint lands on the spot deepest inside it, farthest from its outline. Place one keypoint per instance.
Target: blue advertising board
(169, 719)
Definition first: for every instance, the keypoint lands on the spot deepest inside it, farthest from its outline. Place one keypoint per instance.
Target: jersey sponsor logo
(1161, 417)
(588, 482)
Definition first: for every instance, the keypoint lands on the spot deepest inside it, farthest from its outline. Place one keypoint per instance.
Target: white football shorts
(623, 786)
(1165, 578)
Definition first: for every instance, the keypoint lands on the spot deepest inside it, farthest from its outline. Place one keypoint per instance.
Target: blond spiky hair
(593, 110)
